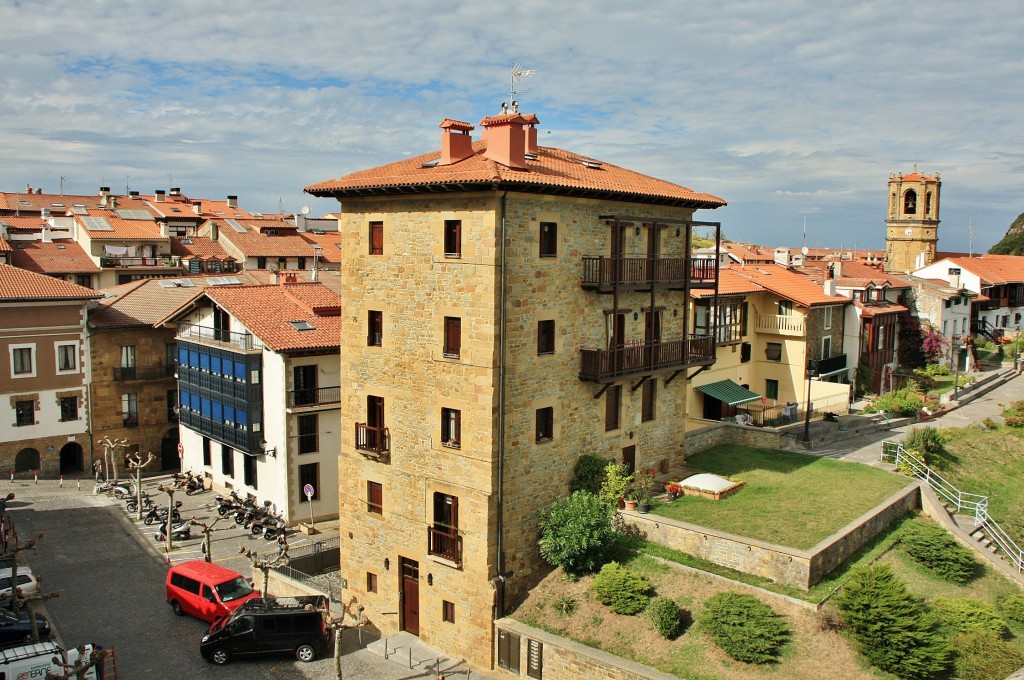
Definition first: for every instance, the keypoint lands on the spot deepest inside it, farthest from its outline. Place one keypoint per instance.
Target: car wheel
(305, 653)
(220, 656)
(176, 606)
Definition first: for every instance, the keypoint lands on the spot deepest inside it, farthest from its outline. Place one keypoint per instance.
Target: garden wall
(800, 568)
(533, 653)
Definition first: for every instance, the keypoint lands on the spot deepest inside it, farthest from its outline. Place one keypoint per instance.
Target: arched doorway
(169, 451)
(71, 458)
(27, 460)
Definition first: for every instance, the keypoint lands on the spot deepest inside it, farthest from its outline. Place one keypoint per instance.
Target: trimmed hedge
(744, 627)
(934, 547)
(624, 591)
(588, 475)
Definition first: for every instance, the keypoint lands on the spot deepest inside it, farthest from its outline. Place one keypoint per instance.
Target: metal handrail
(893, 452)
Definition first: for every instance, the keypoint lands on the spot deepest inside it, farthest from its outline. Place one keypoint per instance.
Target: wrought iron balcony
(317, 396)
(606, 273)
(446, 543)
(218, 336)
(140, 373)
(373, 440)
(608, 365)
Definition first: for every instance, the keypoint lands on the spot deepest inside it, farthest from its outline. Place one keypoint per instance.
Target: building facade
(912, 222)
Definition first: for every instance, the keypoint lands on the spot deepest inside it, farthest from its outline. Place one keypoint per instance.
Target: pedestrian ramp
(408, 650)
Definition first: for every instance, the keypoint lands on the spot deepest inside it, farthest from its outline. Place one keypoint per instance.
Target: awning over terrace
(728, 392)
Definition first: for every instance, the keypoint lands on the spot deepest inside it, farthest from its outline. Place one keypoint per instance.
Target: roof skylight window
(302, 325)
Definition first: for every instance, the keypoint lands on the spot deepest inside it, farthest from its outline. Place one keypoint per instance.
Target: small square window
(546, 336)
(371, 582)
(375, 497)
(68, 408)
(22, 361)
(545, 424)
(67, 358)
(548, 239)
(773, 352)
(25, 413)
(448, 611)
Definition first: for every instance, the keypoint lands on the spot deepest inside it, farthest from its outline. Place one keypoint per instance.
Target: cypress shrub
(933, 547)
(964, 615)
(1013, 607)
(886, 620)
(983, 655)
(744, 627)
(625, 591)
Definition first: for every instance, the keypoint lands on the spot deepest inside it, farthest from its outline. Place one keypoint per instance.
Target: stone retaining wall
(800, 568)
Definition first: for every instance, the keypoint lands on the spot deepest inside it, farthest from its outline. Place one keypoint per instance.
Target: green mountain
(1013, 242)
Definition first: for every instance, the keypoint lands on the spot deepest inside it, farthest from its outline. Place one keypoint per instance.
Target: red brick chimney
(531, 132)
(456, 142)
(506, 139)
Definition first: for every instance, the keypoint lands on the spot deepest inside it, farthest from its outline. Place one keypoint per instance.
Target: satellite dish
(805, 250)
(305, 210)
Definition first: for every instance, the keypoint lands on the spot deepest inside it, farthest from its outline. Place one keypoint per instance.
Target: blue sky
(793, 110)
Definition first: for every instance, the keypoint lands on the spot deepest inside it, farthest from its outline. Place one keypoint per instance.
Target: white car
(26, 582)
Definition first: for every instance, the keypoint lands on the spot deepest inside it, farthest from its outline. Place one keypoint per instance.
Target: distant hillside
(1013, 242)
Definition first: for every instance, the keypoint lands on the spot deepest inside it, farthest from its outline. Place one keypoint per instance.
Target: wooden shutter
(453, 336)
(376, 238)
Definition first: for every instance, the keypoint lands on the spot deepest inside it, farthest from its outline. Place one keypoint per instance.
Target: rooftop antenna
(804, 244)
(970, 236)
(518, 73)
(62, 179)
(280, 205)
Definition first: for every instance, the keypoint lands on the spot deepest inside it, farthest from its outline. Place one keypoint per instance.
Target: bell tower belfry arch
(912, 222)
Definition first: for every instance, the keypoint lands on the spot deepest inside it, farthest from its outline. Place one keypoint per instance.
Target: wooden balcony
(609, 365)
(445, 543)
(375, 441)
(605, 274)
(779, 324)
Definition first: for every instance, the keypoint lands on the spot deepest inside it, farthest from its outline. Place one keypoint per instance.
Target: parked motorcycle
(231, 503)
(260, 525)
(159, 514)
(273, 531)
(179, 532)
(132, 504)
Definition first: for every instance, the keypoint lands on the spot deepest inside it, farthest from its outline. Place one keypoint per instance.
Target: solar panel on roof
(167, 283)
(96, 223)
(57, 205)
(185, 283)
(79, 209)
(129, 214)
(236, 226)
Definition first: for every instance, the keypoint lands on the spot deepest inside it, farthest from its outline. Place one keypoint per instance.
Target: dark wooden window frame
(548, 237)
(451, 428)
(546, 336)
(376, 238)
(452, 337)
(375, 497)
(612, 408)
(545, 424)
(453, 238)
(374, 327)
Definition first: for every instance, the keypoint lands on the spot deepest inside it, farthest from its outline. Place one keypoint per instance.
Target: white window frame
(31, 347)
(826, 347)
(75, 353)
(828, 319)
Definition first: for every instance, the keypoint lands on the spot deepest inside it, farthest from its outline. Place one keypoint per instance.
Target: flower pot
(643, 507)
(630, 505)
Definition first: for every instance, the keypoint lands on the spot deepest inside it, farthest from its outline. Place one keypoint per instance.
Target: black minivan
(287, 625)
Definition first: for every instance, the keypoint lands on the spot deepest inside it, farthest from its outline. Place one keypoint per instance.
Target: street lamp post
(956, 359)
(812, 370)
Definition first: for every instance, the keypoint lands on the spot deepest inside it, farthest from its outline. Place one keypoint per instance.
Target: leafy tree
(576, 533)
(744, 627)
(625, 591)
(926, 440)
(934, 345)
(964, 615)
(589, 474)
(886, 620)
(911, 342)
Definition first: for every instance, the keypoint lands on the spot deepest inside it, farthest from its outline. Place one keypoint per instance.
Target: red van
(205, 590)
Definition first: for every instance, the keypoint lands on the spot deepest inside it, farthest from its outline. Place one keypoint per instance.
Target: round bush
(744, 627)
(924, 440)
(964, 615)
(666, 617)
(624, 591)
(576, 533)
(936, 549)
(1013, 607)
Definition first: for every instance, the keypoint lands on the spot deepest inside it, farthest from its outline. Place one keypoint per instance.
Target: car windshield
(233, 590)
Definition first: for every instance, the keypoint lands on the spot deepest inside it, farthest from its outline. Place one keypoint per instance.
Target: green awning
(728, 392)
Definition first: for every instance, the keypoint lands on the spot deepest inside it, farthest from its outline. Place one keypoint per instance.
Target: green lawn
(790, 499)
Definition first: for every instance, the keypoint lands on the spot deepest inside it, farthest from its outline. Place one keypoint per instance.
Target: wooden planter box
(714, 495)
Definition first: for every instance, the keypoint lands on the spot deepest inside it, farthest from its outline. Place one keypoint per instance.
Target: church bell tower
(911, 229)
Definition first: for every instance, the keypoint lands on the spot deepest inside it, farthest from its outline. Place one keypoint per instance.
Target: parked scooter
(273, 531)
(228, 504)
(159, 514)
(269, 519)
(179, 532)
(132, 504)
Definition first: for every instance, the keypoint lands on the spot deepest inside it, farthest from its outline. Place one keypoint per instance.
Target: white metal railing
(893, 452)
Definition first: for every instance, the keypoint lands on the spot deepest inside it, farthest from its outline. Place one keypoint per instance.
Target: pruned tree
(136, 465)
(339, 626)
(18, 598)
(170, 491)
(110, 449)
(264, 565)
(82, 664)
(207, 529)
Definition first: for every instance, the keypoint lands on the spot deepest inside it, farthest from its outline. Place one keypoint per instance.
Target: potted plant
(673, 490)
(643, 485)
(616, 484)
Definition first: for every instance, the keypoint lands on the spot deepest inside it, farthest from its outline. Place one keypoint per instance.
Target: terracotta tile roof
(198, 247)
(5, 247)
(914, 177)
(553, 171)
(789, 285)
(120, 228)
(27, 223)
(872, 309)
(852, 275)
(330, 241)
(57, 257)
(254, 242)
(267, 310)
(730, 282)
(17, 285)
(748, 252)
(993, 269)
(57, 203)
(148, 301)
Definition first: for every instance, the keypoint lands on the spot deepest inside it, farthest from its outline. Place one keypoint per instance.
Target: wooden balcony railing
(779, 324)
(316, 396)
(445, 542)
(605, 273)
(605, 365)
(376, 440)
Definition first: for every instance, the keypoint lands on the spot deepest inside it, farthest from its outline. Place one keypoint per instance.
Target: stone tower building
(507, 308)
(912, 224)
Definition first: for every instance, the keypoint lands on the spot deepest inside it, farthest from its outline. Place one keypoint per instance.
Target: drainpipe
(499, 580)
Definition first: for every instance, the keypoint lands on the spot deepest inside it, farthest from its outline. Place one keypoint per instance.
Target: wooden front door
(629, 458)
(410, 595)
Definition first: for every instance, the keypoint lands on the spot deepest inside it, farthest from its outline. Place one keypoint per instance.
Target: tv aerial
(518, 73)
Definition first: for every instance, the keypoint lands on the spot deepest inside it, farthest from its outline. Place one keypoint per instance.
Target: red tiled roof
(330, 241)
(853, 275)
(788, 284)
(730, 282)
(993, 269)
(120, 228)
(17, 285)
(4, 245)
(198, 247)
(873, 309)
(913, 177)
(253, 242)
(148, 301)
(553, 171)
(57, 257)
(58, 203)
(267, 310)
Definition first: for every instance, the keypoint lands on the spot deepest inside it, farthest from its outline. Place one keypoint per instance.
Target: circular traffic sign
(308, 490)
(181, 448)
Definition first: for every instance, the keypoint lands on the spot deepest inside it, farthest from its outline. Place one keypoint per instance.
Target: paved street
(110, 574)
